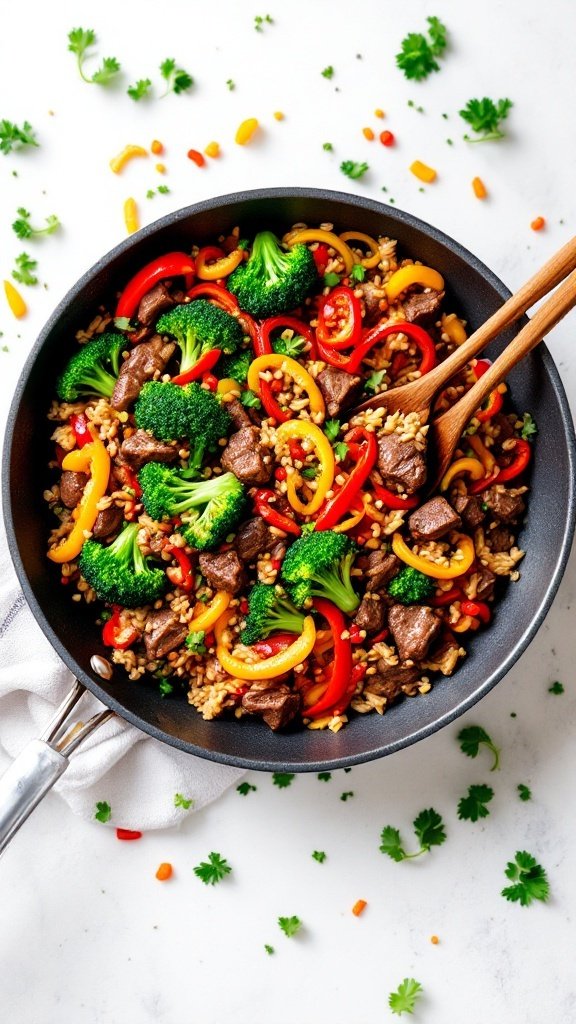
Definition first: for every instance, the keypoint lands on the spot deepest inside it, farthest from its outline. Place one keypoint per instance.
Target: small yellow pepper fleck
(269, 668)
(379, 113)
(328, 237)
(457, 566)
(472, 467)
(119, 161)
(423, 172)
(213, 150)
(131, 218)
(95, 460)
(276, 361)
(454, 328)
(156, 147)
(246, 131)
(305, 430)
(212, 612)
(413, 274)
(161, 168)
(17, 305)
(479, 188)
(368, 133)
(278, 115)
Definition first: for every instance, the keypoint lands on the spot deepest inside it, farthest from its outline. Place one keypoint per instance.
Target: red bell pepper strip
(173, 264)
(263, 502)
(478, 609)
(263, 344)
(392, 500)
(495, 398)
(183, 576)
(342, 664)
(344, 499)
(204, 364)
(522, 456)
(79, 424)
(216, 293)
(113, 635)
(375, 336)
(131, 481)
(480, 485)
(446, 597)
(321, 258)
(339, 319)
(274, 644)
(272, 407)
(127, 833)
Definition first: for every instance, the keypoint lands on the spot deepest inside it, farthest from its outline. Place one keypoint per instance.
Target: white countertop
(87, 934)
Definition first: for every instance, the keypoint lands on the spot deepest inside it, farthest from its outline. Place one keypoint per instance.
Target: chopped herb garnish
(231, 84)
(524, 792)
(319, 855)
(341, 450)
(346, 796)
(150, 193)
(290, 925)
(331, 430)
(13, 137)
(404, 999)
(80, 40)
(417, 57)
(529, 427)
(23, 228)
(473, 806)
(269, 949)
(177, 80)
(556, 688)
(530, 880)
(328, 72)
(309, 472)
(353, 170)
(484, 117)
(328, 147)
(244, 788)
(213, 870)
(261, 20)
(24, 270)
(183, 802)
(140, 89)
(325, 776)
(292, 347)
(374, 380)
(163, 190)
(331, 280)
(358, 272)
(250, 400)
(195, 642)
(411, 103)
(472, 738)
(428, 828)
(282, 779)
(103, 811)
(308, 528)
(165, 686)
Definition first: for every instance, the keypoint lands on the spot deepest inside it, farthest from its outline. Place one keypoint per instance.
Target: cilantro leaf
(260, 20)
(244, 788)
(328, 147)
(341, 450)
(473, 806)
(309, 472)
(417, 57)
(269, 949)
(353, 170)
(358, 272)
(108, 70)
(319, 855)
(556, 688)
(231, 84)
(103, 811)
(24, 270)
(140, 89)
(13, 137)
(332, 429)
(163, 190)
(250, 400)
(195, 642)
(213, 870)
(346, 796)
(165, 686)
(530, 880)
(484, 117)
(524, 792)
(292, 347)
(472, 738)
(282, 779)
(391, 844)
(404, 999)
(429, 829)
(177, 80)
(328, 72)
(324, 776)
(290, 925)
(80, 40)
(529, 427)
(374, 380)
(23, 228)
(183, 802)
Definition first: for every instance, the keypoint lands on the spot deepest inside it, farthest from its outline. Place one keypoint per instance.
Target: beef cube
(505, 503)
(146, 359)
(375, 303)
(107, 522)
(500, 538)
(155, 302)
(238, 414)
(164, 632)
(244, 456)
(422, 307)
(390, 679)
(371, 614)
(339, 389)
(252, 539)
(277, 706)
(505, 428)
(413, 627)
(433, 520)
(485, 585)
(380, 568)
(400, 462)
(72, 487)
(469, 509)
(141, 447)
(224, 571)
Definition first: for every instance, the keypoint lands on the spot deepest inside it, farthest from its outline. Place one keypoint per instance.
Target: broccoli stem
(336, 585)
(101, 381)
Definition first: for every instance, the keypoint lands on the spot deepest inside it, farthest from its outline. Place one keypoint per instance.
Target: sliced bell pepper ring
(480, 449)
(480, 485)
(495, 398)
(339, 319)
(368, 261)
(212, 264)
(478, 609)
(377, 334)
(114, 635)
(173, 264)
(205, 363)
(80, 424)
(461, 467)
(269, 668)
(457, 566)
(358, 672)
(263, 343)
(275, 361)
(342, 661)
(522, 456)
(352, 522)
(305, 430)
(394, 501)
(264, 500)
(211, 612)
(413, 274)
(216, 293)
(94, 460)
(328, 238)
(335, 508)
(183, 575)
(273, 645)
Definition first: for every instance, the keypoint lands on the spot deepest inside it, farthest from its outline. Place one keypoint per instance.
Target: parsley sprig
(429, 831)
(524, 792)
(245, 787)
(177, 80)
(24, 269)
(80, 40)
(418, 53)
(484, 117)
(472, 738)
(529, 878)
(404, 999)
(473, 806)
(184, 802)
(290, 925)
(282, 779)
(13, 137)
(354, 170)
(103, 811)
(140, 89)
(213, 870)
(23, 228)
(529, 427)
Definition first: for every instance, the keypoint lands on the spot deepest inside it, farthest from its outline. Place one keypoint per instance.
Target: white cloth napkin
(135, 774)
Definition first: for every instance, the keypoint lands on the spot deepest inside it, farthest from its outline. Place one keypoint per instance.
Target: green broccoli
(318, 565)
(119, 572)
(198, 327)
(273, 281)
(169, 412)
(269, 611)
(293, 347)
(213, 508)
(411, 586)
(93, 369)
(236, 366)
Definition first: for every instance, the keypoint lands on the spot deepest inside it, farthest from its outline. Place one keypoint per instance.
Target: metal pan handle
(41, 764)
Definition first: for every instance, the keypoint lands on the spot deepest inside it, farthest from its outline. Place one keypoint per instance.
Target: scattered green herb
(524, 792)
(103, 811)
(328, 72)
(24, 270)
(23, 228)
(374, 380)
(282, 779)
(484, 117)
(231, 84)
(358, 272)
(529, 427)
(163, 190)
(472, 738)
(556, 688)
(140, 89)
(183, 802)
(290, 925)
(292, 347)
(309, 472)
(331, 280)
(404, 999)
(308, 528)
(213, 870)
(341, 450)
(353, 170)
(346, 796)
(428, 828)
(80, 40)
(195, 642)
(250, 400)
(165, 686)
(530, 880)
(177, 80)
(419, 110)
(319, 855)
(150, 193)
(331, 430)
(328, 147)
(245, 787)
(12, 137)
(417, 57)
(261, 20)
(269, 949)
(473, 806)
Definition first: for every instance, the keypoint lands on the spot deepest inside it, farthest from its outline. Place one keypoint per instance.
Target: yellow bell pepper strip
(486, 457)
(329, 238)
(423, 172)
(359, 236)
(454, 328)
(304, 430)
(277, 361)
(352, 521)
(220, 267)
(119, 162)
(131, 219)
(229, 386)
(457, 566)
(246, 130)
(269, 668)
(413, 274)
(17, 305)
(471, 467)
(95, 460)
(211, 613)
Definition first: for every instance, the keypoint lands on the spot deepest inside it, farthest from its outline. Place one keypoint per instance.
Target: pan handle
(41, 764)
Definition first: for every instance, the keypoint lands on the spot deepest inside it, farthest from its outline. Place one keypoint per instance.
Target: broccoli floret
(269, 611)
(170, 412)
(236, 366)
(198, 327)
(292, 347)
(273, 281)
(93, 369)
(411, 586)
(213, 508)
(318, 565)
(119, 572)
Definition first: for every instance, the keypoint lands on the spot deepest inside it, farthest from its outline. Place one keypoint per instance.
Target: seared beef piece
(371, 615)
(389, 680)
(224, 571)
(339, 389)
(485, 586)
(505, 428)
(433, 520)
(469, 509)
(238, 414)
(505, 503)
(413, 628)
(422, 307)
(107, 522)
(500, 539)
(164, 632)
(380, 568)
(72, 487)
(141, 447)
(154, 303)
(244, 456)
(277, 706)
(375, 303)
(400, 462)
(253, 539)
(143, 362)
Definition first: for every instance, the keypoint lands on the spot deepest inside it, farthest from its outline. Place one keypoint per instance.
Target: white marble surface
(87, 935)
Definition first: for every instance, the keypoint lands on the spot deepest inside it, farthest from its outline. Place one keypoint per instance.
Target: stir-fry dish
(252, 541)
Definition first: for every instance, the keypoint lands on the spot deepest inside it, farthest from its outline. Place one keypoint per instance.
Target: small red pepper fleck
(387, 138)
(79, 424)
(126, 833)
(244, 607)
(478, 609)
(196, 157)
(355, 637)
(321, 257)
(276, 564)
